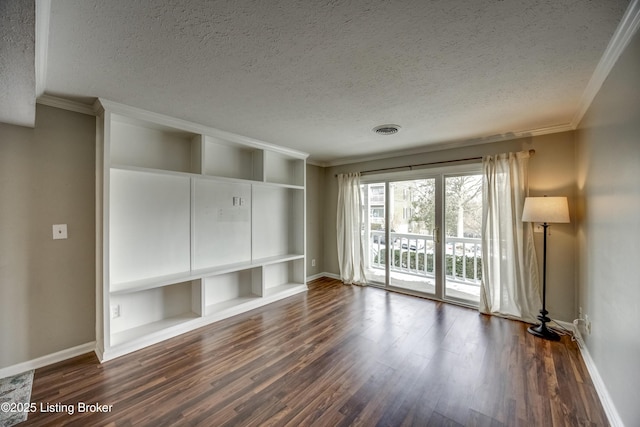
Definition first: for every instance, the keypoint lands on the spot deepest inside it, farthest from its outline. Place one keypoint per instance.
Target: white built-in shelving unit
(194, 225)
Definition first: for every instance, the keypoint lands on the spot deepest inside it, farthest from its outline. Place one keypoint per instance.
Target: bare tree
(463, 205)
(463, 195)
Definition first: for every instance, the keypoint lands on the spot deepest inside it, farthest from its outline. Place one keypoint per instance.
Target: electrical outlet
(313, 263)
(587, 324)
(115, 311)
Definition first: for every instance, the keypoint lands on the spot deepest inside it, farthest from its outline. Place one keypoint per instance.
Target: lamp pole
(541, 330)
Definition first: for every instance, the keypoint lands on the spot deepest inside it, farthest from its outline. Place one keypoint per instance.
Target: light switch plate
(59, 231)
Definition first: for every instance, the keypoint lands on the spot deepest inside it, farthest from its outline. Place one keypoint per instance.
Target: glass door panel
(375, 236)
(463, 244)
(412, 223)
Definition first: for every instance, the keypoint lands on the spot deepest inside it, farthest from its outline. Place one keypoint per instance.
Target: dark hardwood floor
(335, 356)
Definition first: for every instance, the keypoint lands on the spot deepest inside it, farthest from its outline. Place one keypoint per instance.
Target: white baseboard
(47, 360)
(568, 326)
(601, 389)
(314, 277)
(323, 274)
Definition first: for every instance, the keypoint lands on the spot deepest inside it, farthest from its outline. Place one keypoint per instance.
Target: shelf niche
(221, 223)
(280, 277)
(227, 291)
(229, 160)
(283, 169)
(149, 145)
(279, 215)
(150, 225)
(153, 310)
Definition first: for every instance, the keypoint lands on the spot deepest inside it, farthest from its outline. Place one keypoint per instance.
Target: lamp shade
(545, 209)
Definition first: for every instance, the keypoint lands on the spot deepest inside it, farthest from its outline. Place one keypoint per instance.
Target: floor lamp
(545, 210)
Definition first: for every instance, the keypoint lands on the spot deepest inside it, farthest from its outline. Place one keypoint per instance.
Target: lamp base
(542, 331)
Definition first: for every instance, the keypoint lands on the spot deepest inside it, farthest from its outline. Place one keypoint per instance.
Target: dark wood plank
(337, 355)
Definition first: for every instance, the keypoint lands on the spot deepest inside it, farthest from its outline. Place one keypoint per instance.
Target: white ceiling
(318, 75)
(17, 68)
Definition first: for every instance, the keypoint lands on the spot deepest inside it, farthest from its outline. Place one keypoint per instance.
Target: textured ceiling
(17, 68)
(319, 75)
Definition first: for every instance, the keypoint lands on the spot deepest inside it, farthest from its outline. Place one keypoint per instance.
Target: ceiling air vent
(386, 129)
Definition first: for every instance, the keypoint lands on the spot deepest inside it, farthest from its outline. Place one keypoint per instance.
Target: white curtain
(510, 284)
(349, 227)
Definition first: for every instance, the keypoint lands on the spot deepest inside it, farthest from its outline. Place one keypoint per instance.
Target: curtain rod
(410, 167)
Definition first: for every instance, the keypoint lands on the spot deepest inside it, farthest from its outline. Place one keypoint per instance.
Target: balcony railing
(414, 254)
(376, 199)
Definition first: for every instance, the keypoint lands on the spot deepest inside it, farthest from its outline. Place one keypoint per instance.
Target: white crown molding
(47, 359)
(65, 104)
(43, 16)
(314, 162)
(627, 28)
(454, 144)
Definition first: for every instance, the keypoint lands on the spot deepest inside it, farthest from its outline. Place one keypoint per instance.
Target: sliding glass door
(404, 220)
(374, 201)
(411, 227)
(463, 244)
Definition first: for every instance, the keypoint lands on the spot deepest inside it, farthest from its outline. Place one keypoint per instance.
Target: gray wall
(315, 236)
(47, 287)
(608, 147)
(551, 172)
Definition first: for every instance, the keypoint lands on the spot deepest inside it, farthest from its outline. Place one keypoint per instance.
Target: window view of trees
(463, 205)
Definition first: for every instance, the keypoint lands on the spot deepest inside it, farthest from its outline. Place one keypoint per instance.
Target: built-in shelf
(228, 305)
(152, 145)
(283, 169)
(277, 259)
(148, 329)
(118, 166)
(279, 277)
(149, 225)
(221, 218)
(193, 225)
(139, 313)
(225, 159)
(159, 281)
(224, 291)
(146, 170)
(283, 288)
(276, 185)
(213, 271)
(279, 215)
(150, 283)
